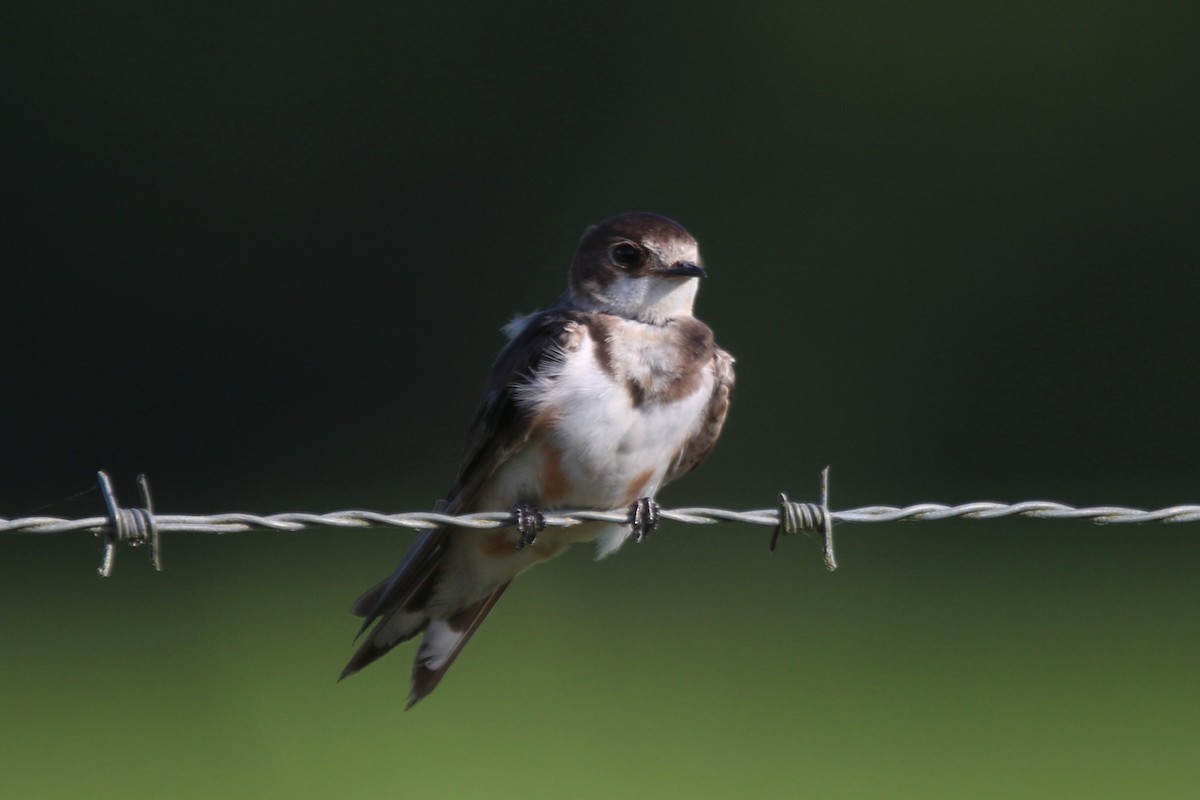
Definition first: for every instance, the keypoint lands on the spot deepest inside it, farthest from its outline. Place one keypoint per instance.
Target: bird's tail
(398, 609)
(444, 639)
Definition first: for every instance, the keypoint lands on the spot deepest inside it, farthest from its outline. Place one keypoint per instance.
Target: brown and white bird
(597, 402)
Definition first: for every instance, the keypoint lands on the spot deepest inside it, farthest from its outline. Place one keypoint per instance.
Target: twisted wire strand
(698, 515)
(141, 526)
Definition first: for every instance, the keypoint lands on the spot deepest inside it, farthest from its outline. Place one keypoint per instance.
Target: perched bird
(597, 402)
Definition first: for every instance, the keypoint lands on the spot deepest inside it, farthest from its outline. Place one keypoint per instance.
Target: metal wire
(692, 515)
(137, 526)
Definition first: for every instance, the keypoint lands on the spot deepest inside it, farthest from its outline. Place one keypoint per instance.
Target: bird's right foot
(530, 523)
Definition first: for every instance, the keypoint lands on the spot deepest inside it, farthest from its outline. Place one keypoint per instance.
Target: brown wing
(701, 444)
(499, 428)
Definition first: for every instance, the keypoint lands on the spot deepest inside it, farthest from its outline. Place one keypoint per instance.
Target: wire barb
(133, 526)
(807, 518)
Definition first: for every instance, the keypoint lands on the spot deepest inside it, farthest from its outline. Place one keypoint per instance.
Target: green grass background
(262, 253)
(1044, 663)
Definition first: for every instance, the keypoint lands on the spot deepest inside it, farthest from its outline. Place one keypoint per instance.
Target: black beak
(684, 269)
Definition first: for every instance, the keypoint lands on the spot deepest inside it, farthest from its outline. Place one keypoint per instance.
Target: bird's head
(639, 266)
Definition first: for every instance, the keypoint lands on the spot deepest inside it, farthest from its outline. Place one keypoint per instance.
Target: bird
(596, 402)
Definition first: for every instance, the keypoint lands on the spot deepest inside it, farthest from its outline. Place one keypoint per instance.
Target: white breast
(608, 442)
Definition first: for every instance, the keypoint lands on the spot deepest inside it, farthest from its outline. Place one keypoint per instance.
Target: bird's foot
(530, 523)
(646, 513)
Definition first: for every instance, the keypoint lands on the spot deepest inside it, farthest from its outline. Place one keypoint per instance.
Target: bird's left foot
(530, 523)
(645, 518)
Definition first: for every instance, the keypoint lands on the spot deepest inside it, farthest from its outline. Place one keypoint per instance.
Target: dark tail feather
(395, 605)
(396, 626)
(369, 599)
(369, 652)
(419, 563)
(396, 609)
(444, 640)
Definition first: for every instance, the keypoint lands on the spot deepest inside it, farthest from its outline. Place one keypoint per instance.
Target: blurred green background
(262, 253)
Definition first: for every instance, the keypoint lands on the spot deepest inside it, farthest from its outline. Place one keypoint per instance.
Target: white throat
(653, 299)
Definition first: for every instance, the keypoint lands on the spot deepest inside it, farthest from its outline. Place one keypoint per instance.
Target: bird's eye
(625, 255)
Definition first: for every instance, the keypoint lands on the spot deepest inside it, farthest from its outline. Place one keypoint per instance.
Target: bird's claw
(530, 523)
(646, 513)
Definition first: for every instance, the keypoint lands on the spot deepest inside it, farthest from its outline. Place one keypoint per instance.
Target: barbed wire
(138, 526)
